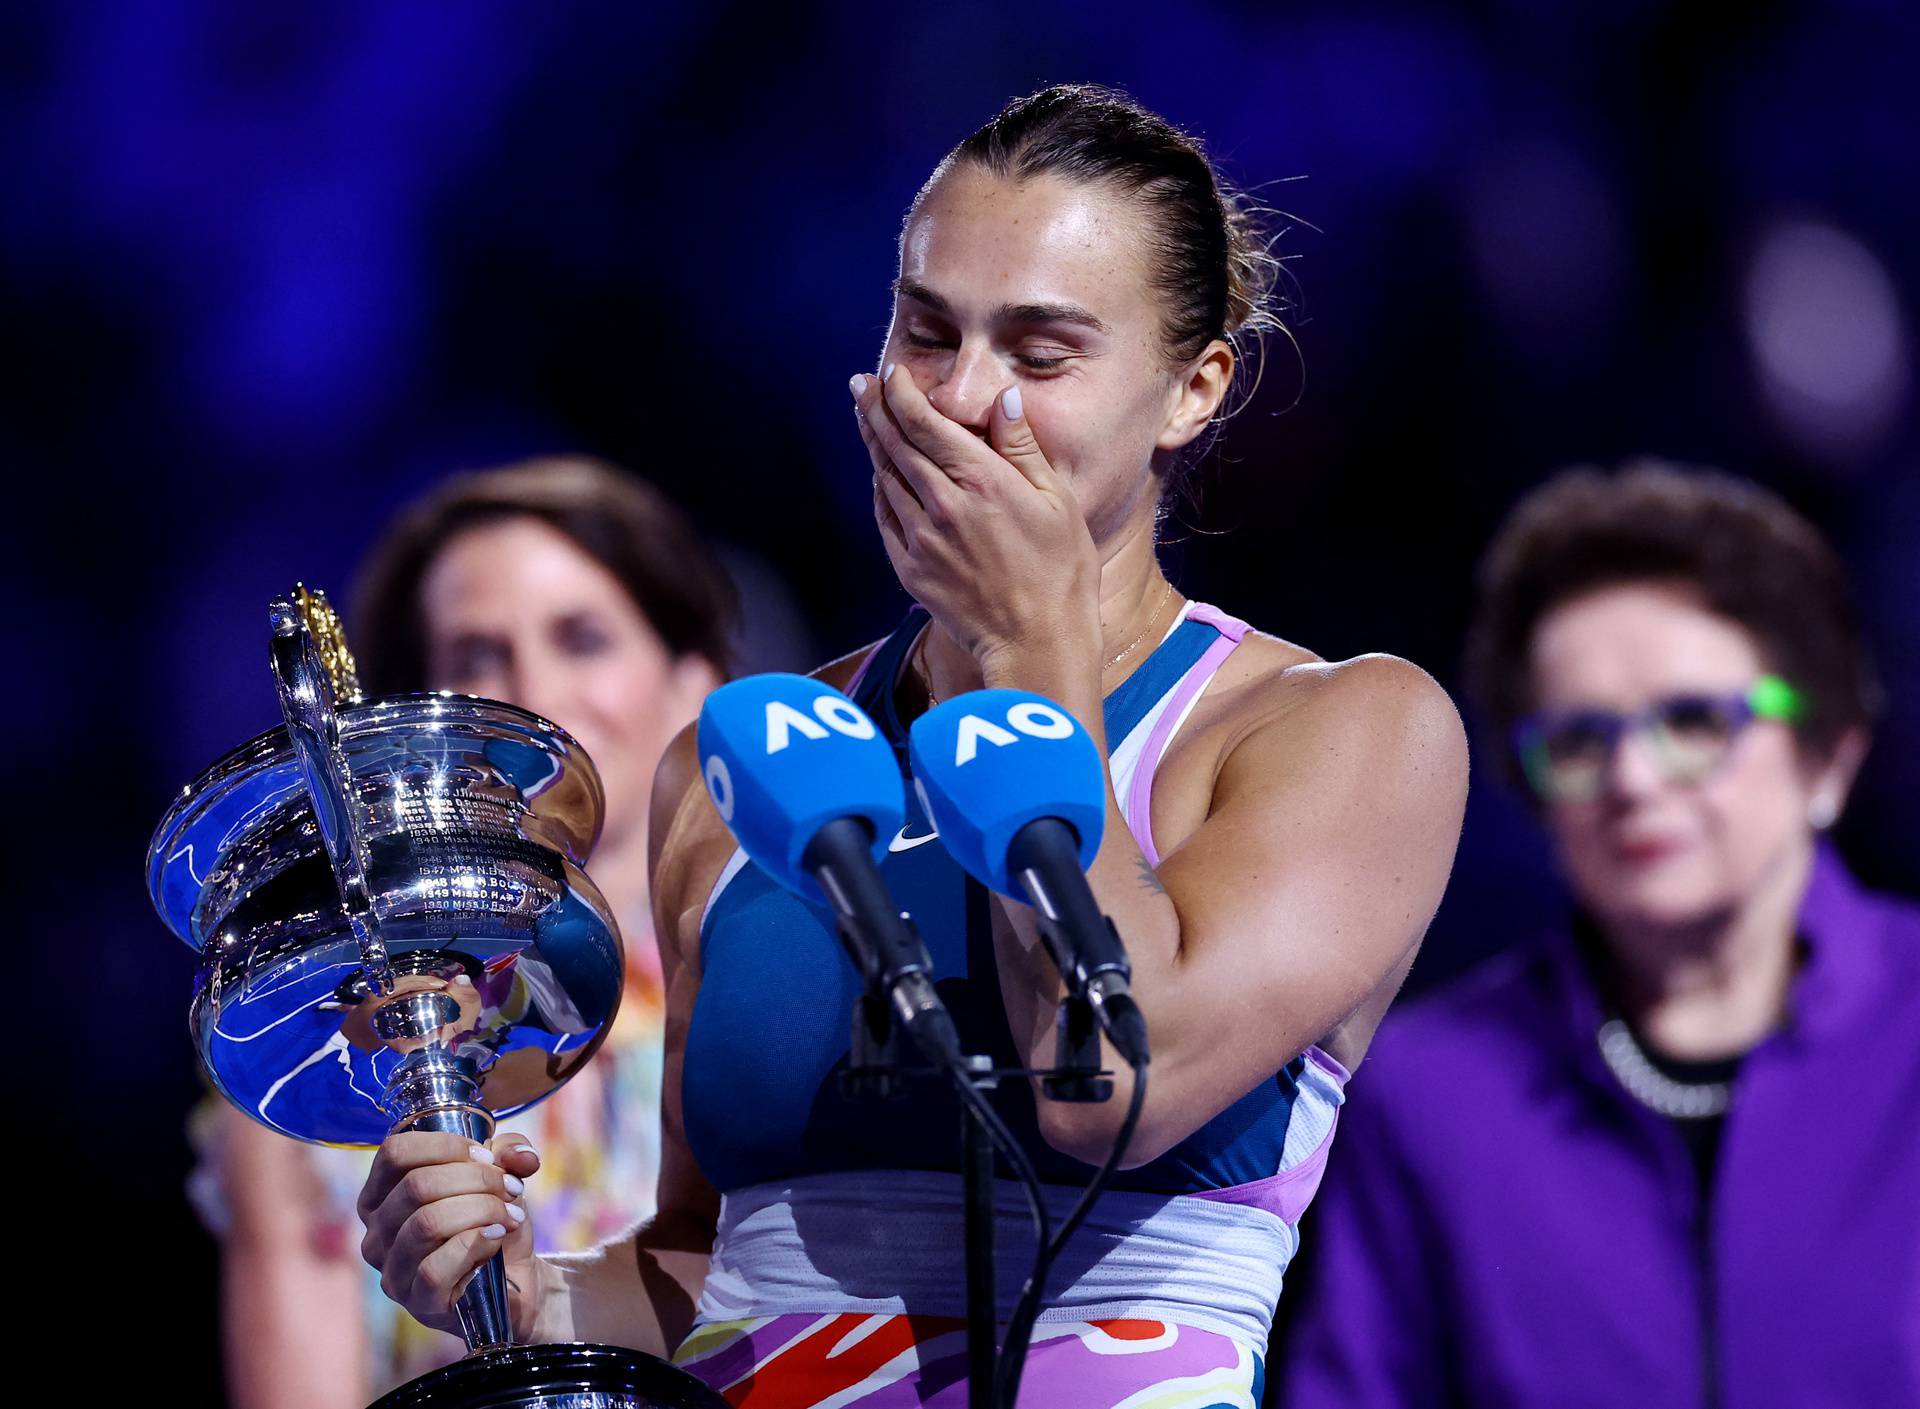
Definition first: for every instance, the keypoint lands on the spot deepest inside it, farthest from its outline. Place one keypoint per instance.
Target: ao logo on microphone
(832, 714)
(1029, 717)
(720, 788)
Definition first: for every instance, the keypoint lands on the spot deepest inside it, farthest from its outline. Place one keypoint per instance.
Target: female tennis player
(1074, 285)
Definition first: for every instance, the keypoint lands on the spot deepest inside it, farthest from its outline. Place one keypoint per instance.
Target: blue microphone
(1019, 794)
(812, 793)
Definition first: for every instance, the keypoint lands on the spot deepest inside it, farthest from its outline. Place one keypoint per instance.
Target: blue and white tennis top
(770, 1032)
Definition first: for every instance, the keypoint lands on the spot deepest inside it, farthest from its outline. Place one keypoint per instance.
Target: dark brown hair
(617, 519)
(1211, 264)
(1739, 548)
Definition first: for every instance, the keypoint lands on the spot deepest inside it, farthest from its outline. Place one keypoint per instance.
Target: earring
(1822, 812)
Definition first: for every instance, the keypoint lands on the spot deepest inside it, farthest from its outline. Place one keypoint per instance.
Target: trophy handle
(306, 690)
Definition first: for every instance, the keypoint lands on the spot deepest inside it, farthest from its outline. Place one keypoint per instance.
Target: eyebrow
(1007, 312)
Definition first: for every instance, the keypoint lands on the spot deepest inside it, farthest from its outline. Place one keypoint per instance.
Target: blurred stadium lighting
(1547, 242)
(1828, 342)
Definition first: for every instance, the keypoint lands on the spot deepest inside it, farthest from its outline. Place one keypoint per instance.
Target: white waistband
(890, 1242)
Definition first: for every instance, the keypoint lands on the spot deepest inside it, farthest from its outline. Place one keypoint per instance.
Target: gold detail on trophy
(330, 639)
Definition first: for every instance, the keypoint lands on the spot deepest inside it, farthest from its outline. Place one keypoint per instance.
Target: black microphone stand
(977, 1190)
(892, 959)
(875, 1073)
(899, 996)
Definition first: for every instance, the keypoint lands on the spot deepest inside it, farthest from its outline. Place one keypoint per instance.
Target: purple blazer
(1502, 1224)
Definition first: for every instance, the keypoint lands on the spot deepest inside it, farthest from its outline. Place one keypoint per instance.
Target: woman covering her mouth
(1074, 292)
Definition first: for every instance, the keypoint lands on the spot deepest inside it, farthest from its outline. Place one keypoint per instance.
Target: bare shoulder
(1281, 727)
(839, 673)
(1376, 712)
(688, 844)
(1350, 777)
(1272, 682)
(1370, 691)
(1280, 721)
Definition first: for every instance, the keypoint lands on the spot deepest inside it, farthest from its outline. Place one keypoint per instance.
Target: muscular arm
(641, 1290)
(1294, 906)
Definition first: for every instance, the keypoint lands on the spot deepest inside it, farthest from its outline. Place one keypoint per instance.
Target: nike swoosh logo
(903, 842)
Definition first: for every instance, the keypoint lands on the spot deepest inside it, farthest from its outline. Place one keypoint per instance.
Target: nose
(966, 393)
(533, 684)
(501, 679)
(549, 698)
(1636, 772)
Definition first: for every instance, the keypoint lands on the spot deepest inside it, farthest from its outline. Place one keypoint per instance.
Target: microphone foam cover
(782, 756)
(991, 761)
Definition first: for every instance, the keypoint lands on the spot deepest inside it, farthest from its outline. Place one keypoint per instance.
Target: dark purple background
(268, 270)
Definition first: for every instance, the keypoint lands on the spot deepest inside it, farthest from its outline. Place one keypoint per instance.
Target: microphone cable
(1013, 1352)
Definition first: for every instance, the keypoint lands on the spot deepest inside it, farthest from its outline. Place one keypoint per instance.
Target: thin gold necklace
(1127, 650)
(926, 669)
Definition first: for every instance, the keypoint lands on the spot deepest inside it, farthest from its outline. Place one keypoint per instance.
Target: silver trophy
(396, 934)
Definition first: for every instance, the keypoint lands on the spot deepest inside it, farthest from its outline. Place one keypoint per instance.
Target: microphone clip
(873, 1071)
(1077, 1075)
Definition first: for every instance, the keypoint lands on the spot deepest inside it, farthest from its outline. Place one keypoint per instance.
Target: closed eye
(579, 634)
(1044, 361)
(1033, 361)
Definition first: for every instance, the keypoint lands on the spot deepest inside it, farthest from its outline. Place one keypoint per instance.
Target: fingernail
(516, 1186)
(858, 384)
(494, 1230)
(516, 1213)
(525, 1149)
(480, 1154)
(1010, 403)
(886, 373)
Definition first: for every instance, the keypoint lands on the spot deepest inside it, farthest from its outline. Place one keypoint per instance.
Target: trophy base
(571, 1376)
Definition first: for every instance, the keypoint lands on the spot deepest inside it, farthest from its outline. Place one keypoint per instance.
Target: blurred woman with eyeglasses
(1670, 1158)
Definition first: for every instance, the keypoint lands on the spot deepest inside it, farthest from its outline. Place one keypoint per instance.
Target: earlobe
(1182, 426)
(1835, 779)
(1200, 396)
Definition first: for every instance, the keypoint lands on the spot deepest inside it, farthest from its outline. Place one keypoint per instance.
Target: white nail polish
(494, 1230)
(1010, 403)
(516, 1187)
(480, 1154)
(858, 383)
(516, 1213)
(886, 374)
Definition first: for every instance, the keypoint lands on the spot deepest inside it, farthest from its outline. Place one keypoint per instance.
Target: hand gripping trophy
(396, 934)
